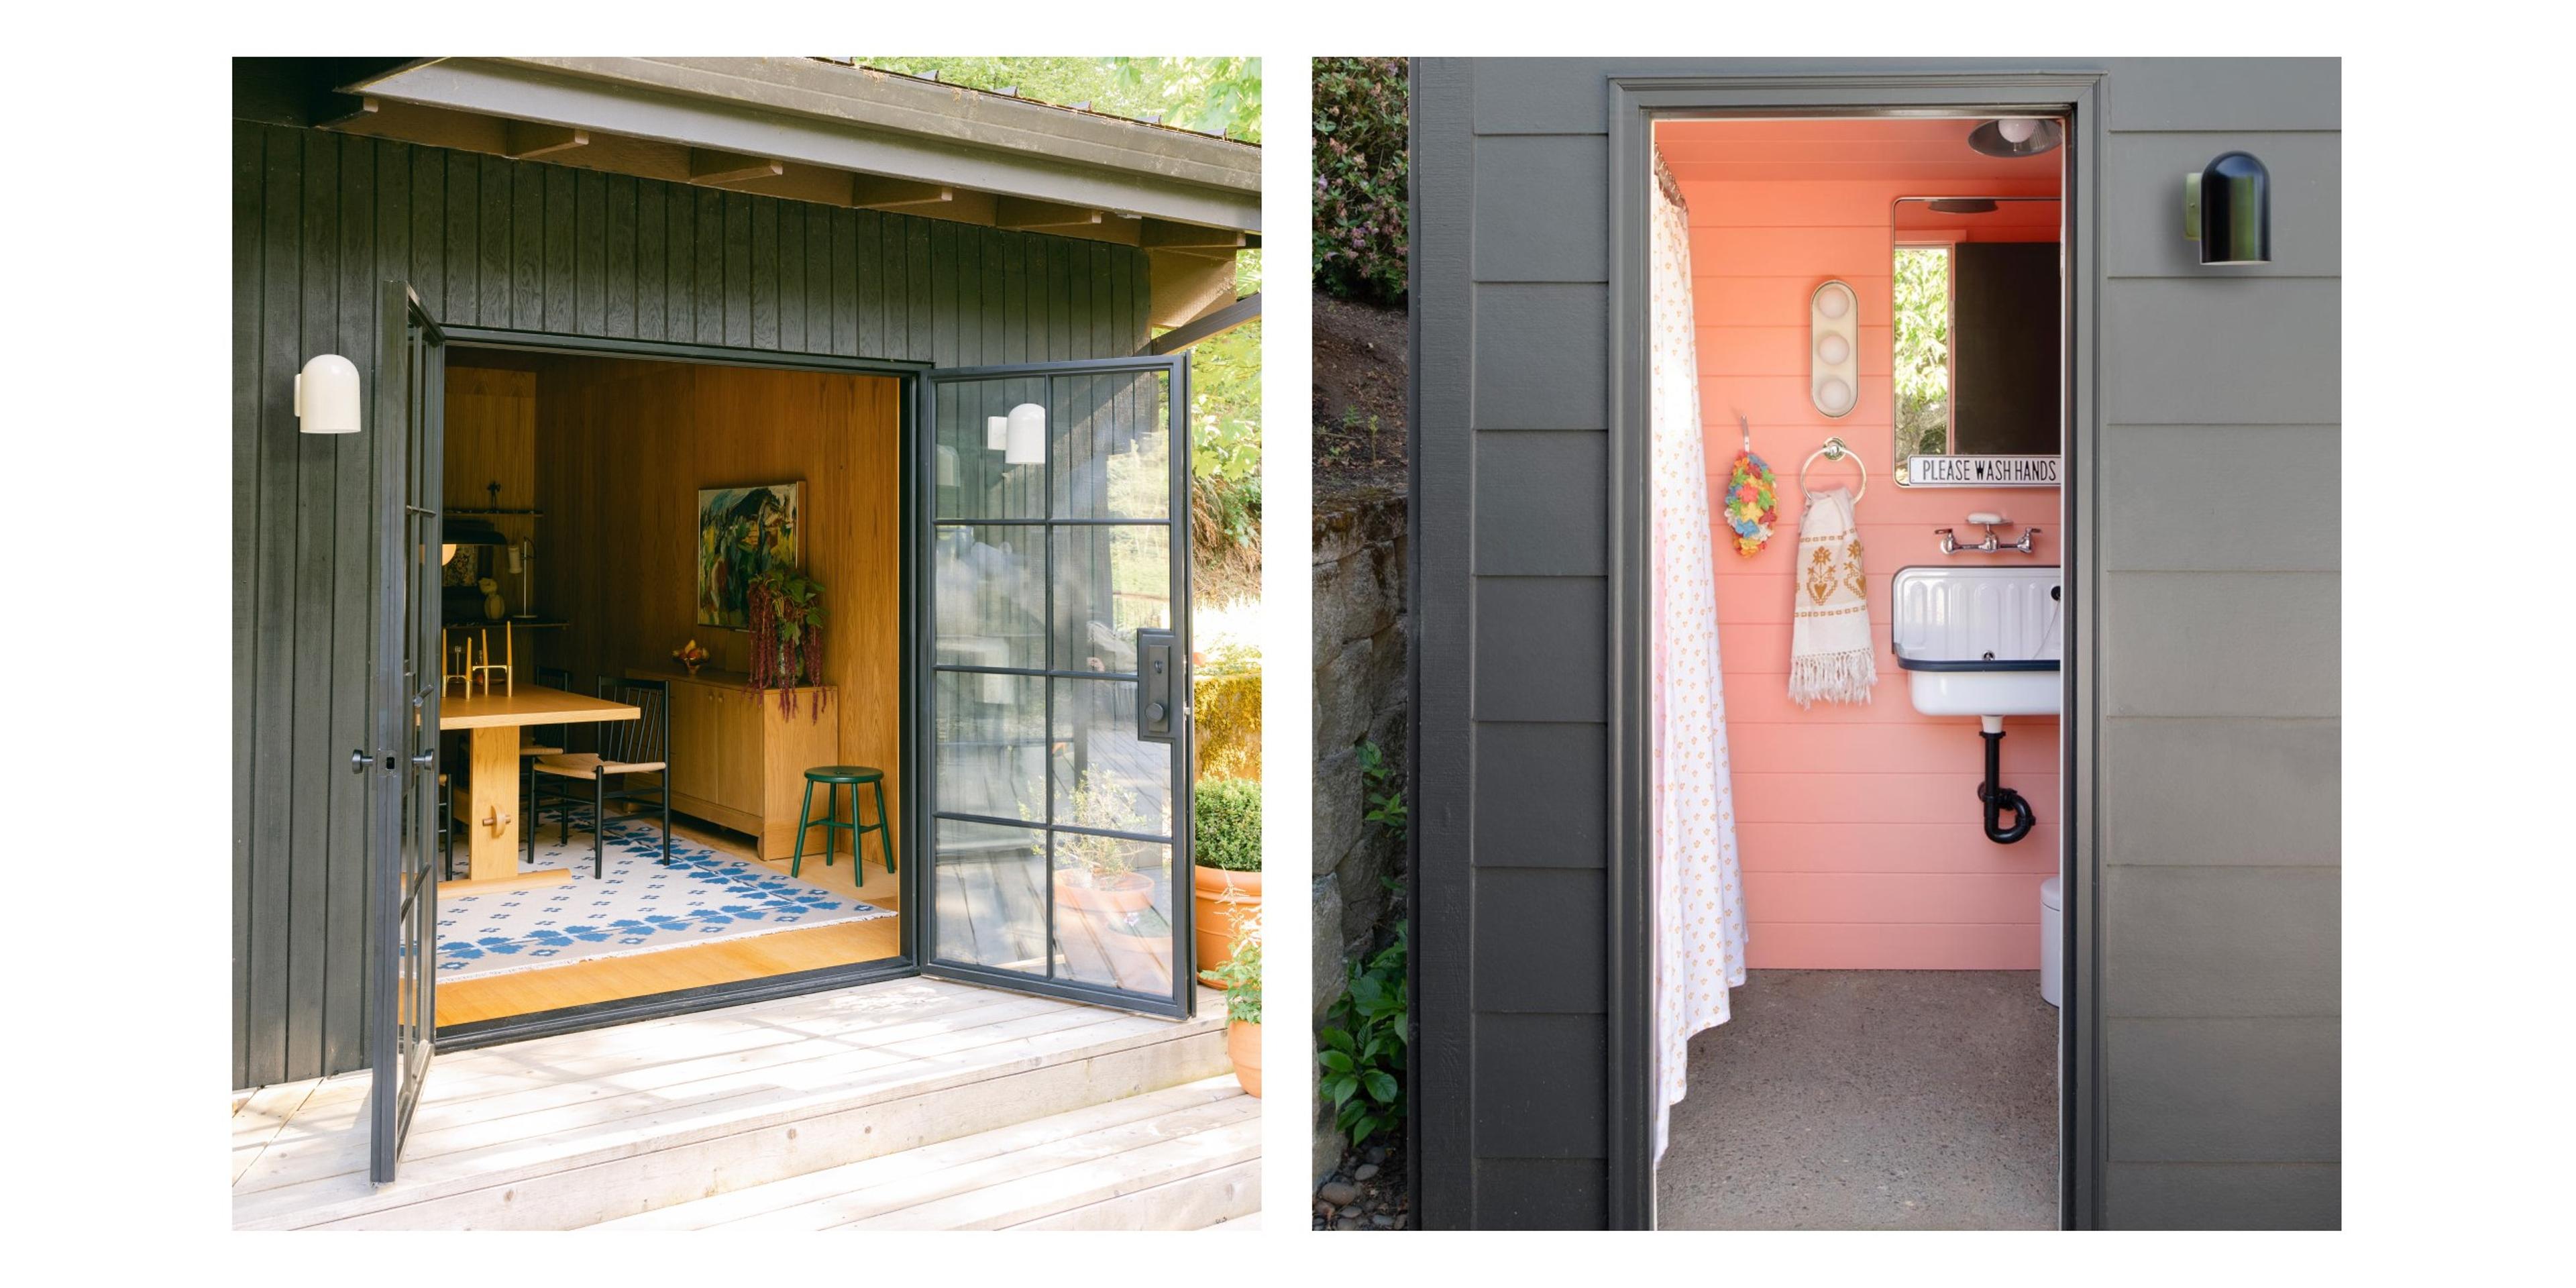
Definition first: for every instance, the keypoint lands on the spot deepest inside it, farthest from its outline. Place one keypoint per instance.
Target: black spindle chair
(638, 746)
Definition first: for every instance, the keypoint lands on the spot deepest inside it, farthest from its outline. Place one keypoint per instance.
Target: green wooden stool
(834, 778)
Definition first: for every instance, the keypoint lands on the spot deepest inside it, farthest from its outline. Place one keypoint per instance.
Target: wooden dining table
(492, 722)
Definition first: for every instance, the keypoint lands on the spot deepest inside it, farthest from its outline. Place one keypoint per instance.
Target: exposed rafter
(1030, 215)
(708, 165)
(528, 139)
(880, 192)
(1214, 322)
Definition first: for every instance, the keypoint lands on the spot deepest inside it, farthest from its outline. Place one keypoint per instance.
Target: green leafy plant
(1240, 976)
(1228, 813)
(785, 608)
(1104, 804)
(1360, 181)
(1385, 799)
(1361, 1051)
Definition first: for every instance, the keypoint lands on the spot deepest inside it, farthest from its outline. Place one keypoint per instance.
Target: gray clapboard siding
(2211, 723)
(319, 219)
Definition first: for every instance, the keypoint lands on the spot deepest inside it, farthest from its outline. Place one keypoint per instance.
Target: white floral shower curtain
(1699, 893)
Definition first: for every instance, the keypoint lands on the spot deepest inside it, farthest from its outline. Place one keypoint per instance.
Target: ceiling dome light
(1833, 349)
(1834, 397)
(2043, 135)
(1833, 301)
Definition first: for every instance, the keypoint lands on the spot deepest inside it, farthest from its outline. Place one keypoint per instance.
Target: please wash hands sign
(1981, 471)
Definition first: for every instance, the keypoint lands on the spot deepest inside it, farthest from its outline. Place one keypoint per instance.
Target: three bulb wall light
(1833, 334)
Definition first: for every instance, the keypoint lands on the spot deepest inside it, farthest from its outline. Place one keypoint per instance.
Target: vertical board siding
(1509, 342)
(319, 219)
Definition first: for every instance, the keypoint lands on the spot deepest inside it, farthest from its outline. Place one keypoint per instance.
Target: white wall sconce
(326, 396)
(1833, 353)
(2227, 208)
(1027, 444)
(997, 431)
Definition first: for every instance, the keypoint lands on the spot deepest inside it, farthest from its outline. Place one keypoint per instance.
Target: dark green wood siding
(318, 220)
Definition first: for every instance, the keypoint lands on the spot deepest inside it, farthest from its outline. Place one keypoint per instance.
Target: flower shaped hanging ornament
(1751, 499)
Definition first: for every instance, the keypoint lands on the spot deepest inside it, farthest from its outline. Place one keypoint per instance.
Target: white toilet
(2052, 941)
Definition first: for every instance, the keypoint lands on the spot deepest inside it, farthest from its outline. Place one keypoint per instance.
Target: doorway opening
(1861, 326)
(606, 519)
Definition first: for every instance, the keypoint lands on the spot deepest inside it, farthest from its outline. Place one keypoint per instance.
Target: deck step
(1176, 1159)
(569, 1132)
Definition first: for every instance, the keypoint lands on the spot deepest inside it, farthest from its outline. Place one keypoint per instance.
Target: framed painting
(742, 532)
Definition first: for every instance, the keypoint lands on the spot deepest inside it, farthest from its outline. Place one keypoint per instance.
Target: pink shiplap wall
(1858, 826)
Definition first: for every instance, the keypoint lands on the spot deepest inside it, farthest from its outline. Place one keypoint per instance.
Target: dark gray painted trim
(1634, 103)
(1441, 1067)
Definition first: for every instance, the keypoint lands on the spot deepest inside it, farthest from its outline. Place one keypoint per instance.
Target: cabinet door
(737, 738)
(693, 740)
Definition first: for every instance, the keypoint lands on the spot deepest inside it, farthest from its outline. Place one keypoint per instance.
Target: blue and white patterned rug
(639, 906)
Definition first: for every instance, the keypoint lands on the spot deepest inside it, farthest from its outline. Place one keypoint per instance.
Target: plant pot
(1215, 927)
(1092, 930)
(1243, 1046)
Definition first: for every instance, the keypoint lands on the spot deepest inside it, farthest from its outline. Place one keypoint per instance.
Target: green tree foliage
(1360, 179)
(1214, 95)
(1922, 352)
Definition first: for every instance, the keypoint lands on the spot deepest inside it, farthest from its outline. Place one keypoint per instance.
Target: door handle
(359, 760)
(1156, 661)
(424, 759)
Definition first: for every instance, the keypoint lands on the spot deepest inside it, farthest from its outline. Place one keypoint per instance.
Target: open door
(1055, 717)
(402, 857)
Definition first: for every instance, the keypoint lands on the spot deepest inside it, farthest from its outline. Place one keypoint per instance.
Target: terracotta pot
(1092, 929)
(1243, 1046)
(1214, 927)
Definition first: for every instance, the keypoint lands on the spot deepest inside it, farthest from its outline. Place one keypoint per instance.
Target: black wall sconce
(2227, 208)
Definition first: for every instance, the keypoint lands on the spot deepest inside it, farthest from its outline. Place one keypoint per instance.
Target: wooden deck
(958, 1090)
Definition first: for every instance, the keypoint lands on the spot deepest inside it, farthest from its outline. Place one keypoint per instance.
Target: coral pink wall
(1859, 827)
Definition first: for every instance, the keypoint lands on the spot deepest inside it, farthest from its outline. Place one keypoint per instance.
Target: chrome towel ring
(1834, 450)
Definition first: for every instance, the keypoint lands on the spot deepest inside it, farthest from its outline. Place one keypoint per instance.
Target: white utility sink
(1980, 641)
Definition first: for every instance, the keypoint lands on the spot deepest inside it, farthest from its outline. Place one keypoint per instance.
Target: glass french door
(1055, 573)
(403, 765)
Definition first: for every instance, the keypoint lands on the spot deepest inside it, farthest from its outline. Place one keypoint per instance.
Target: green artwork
(742, 532)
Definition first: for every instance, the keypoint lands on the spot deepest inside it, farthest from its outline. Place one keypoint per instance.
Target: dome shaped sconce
(326, 396)
(2227, 208)
(1027, 434)
(997, 433)
(1833, 354)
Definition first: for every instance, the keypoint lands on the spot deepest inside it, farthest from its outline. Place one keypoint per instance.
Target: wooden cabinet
(736, 761)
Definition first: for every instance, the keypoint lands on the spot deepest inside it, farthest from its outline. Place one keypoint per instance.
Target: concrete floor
(1870, 1100)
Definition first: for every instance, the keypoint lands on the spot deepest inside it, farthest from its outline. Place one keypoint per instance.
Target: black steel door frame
(910, 886)
(401, 765)
(1635, 104)
(1183, 1002)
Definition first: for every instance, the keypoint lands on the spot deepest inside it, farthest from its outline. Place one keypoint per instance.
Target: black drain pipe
(1997, 797)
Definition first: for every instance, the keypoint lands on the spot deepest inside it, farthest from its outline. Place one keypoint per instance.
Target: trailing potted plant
(785, 611)
(1240, 976)
(1227, 878)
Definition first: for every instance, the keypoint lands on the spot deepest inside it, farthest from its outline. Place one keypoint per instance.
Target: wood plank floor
(572, 1130)
(724, 961)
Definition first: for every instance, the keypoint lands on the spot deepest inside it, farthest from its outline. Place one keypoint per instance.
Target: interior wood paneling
(624, 447)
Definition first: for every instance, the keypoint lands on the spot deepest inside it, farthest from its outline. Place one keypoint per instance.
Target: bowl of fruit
(691, 656)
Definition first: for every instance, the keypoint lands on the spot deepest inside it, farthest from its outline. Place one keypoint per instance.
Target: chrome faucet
(1992, 544)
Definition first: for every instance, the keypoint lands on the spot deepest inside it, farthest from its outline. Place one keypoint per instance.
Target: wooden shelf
(462, 512)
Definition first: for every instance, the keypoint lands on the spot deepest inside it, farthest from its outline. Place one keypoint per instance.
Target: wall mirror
(1979, 367)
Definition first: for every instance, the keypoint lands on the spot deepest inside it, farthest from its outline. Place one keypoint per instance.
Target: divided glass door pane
(1056, 535)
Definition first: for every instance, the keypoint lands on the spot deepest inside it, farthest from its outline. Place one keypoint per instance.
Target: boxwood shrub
(1228, 811)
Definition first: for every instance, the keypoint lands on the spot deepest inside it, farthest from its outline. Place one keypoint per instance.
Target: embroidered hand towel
(1829, 649)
